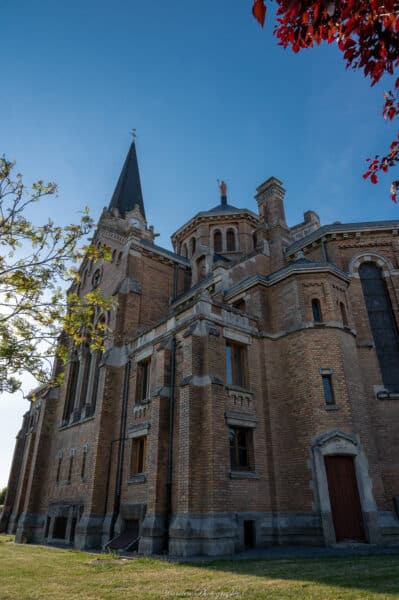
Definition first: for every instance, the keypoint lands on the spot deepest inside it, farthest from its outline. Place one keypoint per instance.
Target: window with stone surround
(241, 448)
(139, 454)
(316, 311)
(236, 364)
(328, 389)
(230, 240)
(217, 241)
(143, 380)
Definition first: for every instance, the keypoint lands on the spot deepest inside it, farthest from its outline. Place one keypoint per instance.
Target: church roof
(128, 193)
(340, 228)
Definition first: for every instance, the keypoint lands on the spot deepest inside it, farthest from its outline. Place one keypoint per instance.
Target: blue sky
(211, 95)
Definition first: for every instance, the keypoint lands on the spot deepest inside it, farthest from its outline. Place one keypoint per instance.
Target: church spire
(128, 193)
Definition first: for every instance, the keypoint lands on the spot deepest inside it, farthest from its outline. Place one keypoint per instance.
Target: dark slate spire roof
(128, 193)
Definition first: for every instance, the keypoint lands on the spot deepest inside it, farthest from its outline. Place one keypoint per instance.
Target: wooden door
(344, 498)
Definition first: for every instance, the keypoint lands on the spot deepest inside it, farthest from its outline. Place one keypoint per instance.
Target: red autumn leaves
(259, 11)
(366, 32)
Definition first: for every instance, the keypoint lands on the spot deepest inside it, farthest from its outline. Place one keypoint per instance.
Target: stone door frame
(335, 443)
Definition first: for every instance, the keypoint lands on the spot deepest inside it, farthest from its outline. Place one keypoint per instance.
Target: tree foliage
(3, 493)
(36, 265)
(368, 35)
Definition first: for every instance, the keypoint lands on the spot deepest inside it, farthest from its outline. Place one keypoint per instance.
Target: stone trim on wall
(238, 419)
(376, 257)
(138, 430)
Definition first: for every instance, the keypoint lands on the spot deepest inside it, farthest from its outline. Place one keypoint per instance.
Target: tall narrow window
(382, 322)
(71, 459)
(201, 268)
(192, 246)
(139, 452)
(143, 380)
(255, 239)
(343, 314)
(316, 310)
(328, 389)
(71, 388)
(59, 464)
(217, 241)
(240, 448)
(185, 251)
(84, 460)
(92, 400)
(230, 240)
(235, 364)
(86, 374)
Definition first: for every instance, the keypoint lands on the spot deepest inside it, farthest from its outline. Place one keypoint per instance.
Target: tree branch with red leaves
(368, 35)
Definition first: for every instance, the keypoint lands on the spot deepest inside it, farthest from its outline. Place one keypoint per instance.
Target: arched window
(230, 240)
(217, 241)
(343, 314)
(192, 246)
(96, 376)
(71, 388)
(316, 310)
(185, 251)
(86, 375)
(382, 322)
(201, 268)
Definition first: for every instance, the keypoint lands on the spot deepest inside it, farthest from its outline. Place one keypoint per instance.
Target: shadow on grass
(376, 574)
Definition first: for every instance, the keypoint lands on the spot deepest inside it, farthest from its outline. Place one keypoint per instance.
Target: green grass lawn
(37, 572)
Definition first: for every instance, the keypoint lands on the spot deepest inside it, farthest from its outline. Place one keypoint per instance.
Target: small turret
(270, 199)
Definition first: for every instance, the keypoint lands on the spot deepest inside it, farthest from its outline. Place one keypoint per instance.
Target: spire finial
(223, 192)
(133, 133)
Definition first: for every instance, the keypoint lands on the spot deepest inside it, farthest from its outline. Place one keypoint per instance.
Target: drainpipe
(121, 449)
(170, 440)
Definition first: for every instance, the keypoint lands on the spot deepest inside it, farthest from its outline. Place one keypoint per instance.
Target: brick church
(248, 393)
